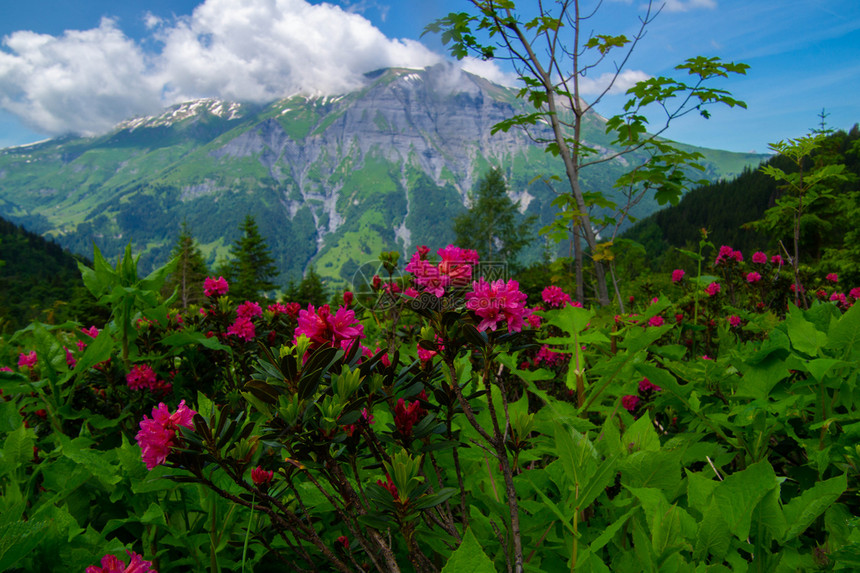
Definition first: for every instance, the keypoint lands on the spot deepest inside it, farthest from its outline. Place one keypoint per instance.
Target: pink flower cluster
(727, 252)
(27, 359)
(554, 297)
(142, 376)
(753, 277)
(759, 258)
(156, 436)
(495, 301)
(407, 416)
(712, 289)
(646, 385)
(734, 321)
(323, 327)
(260, 476)
(678, 275)
(549, 357)
(243, 327)
(111, 564)
(215, 287)
(454, 270)
(629, 402)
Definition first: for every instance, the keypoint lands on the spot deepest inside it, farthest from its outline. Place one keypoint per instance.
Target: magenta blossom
(110, 564)
(678, 275)
(495, 301)
(734, 321)
(712, 289)
(249, 310)
(647, 386)
(832, 277)
(655, 321)
(27, 360)
(242, 328)
(92, 331)
(141, 376)
(753, 277)
(157, 436)
(261, 476)
(323, 327)
(630, 402)
(759, 258)
(854, 293)
(776, 260)
(554, 297)
(215, 287)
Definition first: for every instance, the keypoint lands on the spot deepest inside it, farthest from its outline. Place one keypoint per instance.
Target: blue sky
(83, 66)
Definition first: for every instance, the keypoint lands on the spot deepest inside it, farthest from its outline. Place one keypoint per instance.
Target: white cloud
(625, 80)
(250, 50)
(490, 70)
(686, 5)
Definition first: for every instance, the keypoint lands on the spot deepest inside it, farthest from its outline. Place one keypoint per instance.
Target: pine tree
(253, 266)
(493, 225)
(310, 290)
(190, 272)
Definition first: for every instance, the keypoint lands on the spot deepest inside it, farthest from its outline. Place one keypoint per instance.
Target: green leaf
(742, 491)
(805, 508)
(469, 557)
(18, 539)
(803, 334)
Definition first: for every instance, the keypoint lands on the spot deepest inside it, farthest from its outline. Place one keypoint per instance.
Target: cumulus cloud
(490, 70)
(246, 50)
(625, 80)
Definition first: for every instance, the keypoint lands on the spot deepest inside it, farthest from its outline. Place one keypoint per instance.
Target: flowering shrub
(438, 419)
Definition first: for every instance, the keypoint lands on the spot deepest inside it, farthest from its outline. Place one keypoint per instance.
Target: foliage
(551, 52)
(493, 225)
(588, 442)
(187, 279)
(252, 266)
(310, 290)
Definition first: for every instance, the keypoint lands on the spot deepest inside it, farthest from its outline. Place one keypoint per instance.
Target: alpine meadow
(449, 318)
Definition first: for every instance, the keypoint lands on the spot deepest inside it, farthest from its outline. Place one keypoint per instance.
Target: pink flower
(679, 317)
(738, 256)
(92, 331)
(5, 369)
(725, 252)
(424, 355)
(407, 416)
(734, 321)
(156, 436)
(81, 345)
(110, 564)
(647, 386)
(261, 476)
(242, 328)
(776, 260)
(495, 301)
(215, 287)
(629, 402)
(839, 297)
(753, 277)
(759, 258)
(141, 376)
(249, 310)
(457, 264)
(347, 298)
(656, 320)
(554, 297)
(678, 275)
(548, 356)
(277, 308)
(27, 360)
(854, 293)
(533, 319)
(71, 361)
(706, 357)
(832, 277)
(321, 327)
(712, 289)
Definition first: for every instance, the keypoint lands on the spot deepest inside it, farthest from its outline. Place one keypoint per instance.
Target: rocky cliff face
(331, 180)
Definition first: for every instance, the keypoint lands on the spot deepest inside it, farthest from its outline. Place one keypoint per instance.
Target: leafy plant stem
(248, 532)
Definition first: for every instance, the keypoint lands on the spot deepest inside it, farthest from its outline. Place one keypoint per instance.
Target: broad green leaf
(742, 491)
(641, 435)
(713, 535)
(801, 511)
(844, 336)
(469, 557)
(18, 539)
(803, 334)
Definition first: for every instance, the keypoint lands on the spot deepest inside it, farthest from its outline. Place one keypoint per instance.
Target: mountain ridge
(332, 180)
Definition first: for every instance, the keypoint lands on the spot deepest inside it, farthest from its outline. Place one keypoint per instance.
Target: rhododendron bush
(437, 418)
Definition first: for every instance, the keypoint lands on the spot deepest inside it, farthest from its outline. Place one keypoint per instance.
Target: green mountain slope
(330, 180)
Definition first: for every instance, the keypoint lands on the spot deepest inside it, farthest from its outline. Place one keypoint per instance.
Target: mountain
(330, 180)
